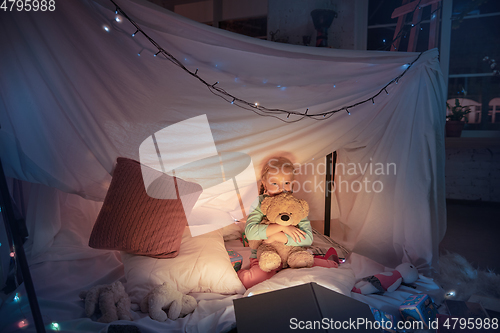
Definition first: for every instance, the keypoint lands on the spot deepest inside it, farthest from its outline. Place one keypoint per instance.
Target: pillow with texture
(202, 265)
(132, 221)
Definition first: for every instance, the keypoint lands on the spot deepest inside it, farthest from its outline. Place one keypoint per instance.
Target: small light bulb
(256, 104)
(16, 298)
(105, 27)
(55, 326)
(12, 254)
(22, 323)
(118, 18)
(450, 293)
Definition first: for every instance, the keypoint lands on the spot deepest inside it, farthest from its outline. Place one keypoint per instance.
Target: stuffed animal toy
(113, 302)
(283, 209)
(387, 281)
(165, 297)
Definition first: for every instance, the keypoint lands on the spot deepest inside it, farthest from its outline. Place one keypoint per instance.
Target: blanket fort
(78, 91)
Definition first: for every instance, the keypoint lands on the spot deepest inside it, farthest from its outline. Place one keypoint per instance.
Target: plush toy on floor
(166, 298)
(283, 209)
(387, 281)
(113, 302)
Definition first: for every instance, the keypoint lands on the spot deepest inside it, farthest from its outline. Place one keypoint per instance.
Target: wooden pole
(13, 225)
(331, 159)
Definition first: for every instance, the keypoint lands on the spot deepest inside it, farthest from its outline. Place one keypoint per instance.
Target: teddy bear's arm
(175, 309)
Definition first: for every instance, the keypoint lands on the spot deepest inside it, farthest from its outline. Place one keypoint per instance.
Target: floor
(473, 231)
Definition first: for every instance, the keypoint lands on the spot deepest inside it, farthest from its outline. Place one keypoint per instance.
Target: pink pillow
(132, 221)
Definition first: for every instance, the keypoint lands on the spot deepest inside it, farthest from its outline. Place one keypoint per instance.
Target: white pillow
(202, 265)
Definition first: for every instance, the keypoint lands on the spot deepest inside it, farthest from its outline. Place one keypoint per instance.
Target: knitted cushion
(132, 221)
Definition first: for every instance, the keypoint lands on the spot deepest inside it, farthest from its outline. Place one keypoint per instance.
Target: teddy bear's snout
(283, 219)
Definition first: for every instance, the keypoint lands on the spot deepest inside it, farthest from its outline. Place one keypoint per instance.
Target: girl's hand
(294, 232)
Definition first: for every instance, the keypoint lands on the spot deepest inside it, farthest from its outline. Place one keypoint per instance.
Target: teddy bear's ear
(305, 207)
(264, 206)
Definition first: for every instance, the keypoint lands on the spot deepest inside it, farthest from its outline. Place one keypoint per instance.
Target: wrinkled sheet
(58, 284)
(75, 97)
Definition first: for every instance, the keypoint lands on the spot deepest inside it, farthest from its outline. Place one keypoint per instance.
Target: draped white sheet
(75, 97)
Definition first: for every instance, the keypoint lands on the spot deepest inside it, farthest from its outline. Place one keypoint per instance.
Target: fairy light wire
(258, 109)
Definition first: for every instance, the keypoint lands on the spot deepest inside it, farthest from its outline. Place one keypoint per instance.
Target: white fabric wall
(75, 97)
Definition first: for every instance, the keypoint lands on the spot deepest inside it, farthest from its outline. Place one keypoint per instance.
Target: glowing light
(342, 260)
(12, 254)
(16, 297)
(22, 323)
(105, 27)
(55, 326)
(118, 18)
(383, 40)
(133, 35)
(335, 86)
(256, 104)
(450, 293)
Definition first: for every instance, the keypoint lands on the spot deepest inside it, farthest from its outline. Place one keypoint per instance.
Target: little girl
(277, 176)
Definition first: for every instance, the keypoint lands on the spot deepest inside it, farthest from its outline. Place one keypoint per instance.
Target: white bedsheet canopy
(74, 97)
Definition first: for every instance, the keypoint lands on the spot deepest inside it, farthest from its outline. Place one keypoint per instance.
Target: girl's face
(277, 182)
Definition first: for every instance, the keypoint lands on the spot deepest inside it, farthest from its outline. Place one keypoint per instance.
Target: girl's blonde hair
(280, 164)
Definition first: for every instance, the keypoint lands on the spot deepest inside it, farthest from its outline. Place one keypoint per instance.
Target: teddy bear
(387, 281)
(113, 302)
(283, 209)
(165, 297)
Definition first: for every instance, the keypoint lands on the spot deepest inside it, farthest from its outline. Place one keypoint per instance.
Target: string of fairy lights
(18, 298)
(261, 110)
